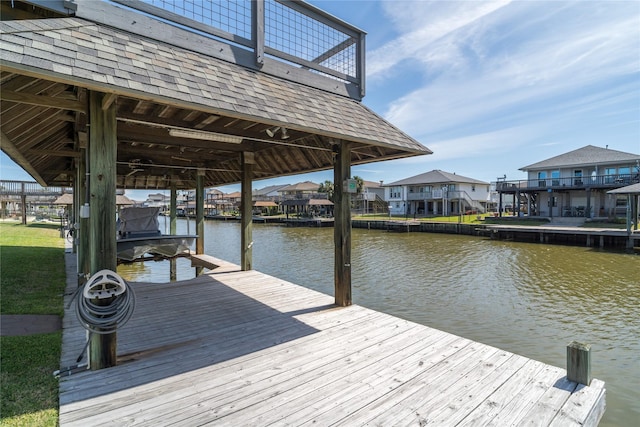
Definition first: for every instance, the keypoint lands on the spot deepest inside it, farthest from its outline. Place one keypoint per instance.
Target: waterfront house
(270, 193)
(305, 199)
(575, 184)
(436, 193)
(157, 200)
(370, 199)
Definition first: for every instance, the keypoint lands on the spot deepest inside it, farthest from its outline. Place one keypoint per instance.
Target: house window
(624, 175)
(555, 177)
(610, 175)
(577, 177)
(542, 179)
(395, 192)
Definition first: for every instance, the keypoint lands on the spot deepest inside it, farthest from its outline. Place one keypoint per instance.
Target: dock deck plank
(244, 348)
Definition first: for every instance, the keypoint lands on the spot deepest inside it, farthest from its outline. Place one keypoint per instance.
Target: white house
(436, 193)
(575, 184)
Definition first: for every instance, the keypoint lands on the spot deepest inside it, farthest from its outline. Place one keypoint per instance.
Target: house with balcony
(575, 184)
(370, 199)
(305, 199)
(436, 193)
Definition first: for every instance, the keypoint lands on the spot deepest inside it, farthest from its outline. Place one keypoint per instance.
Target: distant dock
(244, 348)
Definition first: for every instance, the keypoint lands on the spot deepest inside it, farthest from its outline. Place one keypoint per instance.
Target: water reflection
(529, 299)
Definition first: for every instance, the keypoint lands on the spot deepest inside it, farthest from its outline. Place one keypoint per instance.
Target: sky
(490, 86)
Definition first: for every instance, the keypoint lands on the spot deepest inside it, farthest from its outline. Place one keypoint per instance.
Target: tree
(328, 188)
(359, 184)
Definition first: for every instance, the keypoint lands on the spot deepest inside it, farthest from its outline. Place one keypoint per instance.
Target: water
(529, 299)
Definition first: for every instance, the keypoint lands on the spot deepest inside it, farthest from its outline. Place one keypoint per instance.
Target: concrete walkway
(12, 325)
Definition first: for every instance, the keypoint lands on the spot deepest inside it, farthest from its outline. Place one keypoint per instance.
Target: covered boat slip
(244, 348)
(139, 235)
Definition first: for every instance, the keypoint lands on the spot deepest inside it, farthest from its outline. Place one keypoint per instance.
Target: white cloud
(422, 24)
(505, 65)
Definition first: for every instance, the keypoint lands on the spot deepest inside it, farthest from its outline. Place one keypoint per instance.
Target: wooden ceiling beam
(42, 101)
(55, 153)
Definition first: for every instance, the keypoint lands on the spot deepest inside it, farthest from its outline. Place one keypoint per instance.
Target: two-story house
(575, 184)
(436, 193)
(304, 199)
(370, 199)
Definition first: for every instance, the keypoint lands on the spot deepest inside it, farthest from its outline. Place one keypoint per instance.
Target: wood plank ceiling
(45, 124)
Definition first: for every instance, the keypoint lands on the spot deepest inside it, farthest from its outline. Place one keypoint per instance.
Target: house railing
(294, 33)
(575, 183)
(28, 188)
(304, 196)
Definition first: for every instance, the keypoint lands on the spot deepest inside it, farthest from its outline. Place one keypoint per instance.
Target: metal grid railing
(293, 31)
(231, 16)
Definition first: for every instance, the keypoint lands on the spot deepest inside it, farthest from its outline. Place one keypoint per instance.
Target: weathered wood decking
(243, 348)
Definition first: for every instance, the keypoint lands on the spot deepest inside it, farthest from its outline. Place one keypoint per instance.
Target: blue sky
(491, 87)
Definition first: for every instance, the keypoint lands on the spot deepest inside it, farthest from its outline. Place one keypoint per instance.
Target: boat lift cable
(103, 317)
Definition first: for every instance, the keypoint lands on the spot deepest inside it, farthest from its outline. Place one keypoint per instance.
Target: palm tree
(327, 187)
(359, 184)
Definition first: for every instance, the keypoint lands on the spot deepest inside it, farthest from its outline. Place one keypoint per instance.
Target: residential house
(304, 199)
(436, 193)
(266, 200)
(157, 200)
(575, 184)
(370, 199)
(270, 193)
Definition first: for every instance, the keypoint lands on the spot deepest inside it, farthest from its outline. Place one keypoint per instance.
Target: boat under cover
(139, 234)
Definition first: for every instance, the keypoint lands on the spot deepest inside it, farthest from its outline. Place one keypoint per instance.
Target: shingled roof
(435, 177)
(588, 155)
(160, 86)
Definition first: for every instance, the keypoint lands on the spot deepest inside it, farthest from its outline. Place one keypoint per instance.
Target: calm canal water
(529, 299)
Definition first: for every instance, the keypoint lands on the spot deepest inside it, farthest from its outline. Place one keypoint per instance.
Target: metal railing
(292, 31)
(29, 188)
(597, 181)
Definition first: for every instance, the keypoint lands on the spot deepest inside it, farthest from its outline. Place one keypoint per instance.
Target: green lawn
(32, 281)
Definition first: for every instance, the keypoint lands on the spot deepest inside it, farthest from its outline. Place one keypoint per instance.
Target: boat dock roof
(244, 348)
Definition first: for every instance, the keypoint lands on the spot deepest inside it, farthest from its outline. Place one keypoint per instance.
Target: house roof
(586, 156)
(372, 184)
(435, 177)
(301, 186)
(629, 189)
(264, 204)
(269, 189)
(67, 199)
(50, 66)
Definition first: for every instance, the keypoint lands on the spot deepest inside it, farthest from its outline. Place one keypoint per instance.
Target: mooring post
(579, 362)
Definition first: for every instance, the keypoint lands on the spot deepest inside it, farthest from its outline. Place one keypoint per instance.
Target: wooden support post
(102, 220)
(200, 216)
(173, 215)
(246, 206)
(84, 267)
(579, 363)
(23, 206)
(342, 225)
(629, 218)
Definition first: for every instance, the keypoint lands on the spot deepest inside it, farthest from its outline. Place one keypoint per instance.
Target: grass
(620, 224)
(32, 281)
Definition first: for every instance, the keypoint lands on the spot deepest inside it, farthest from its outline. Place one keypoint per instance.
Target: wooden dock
(244, 348)
(590, 237)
